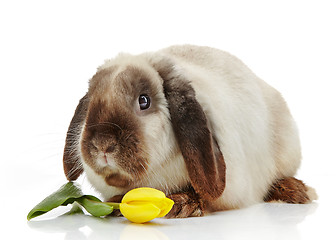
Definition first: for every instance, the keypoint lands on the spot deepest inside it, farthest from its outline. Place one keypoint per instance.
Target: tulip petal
(143, 195)
(139, 213)
(167, 206)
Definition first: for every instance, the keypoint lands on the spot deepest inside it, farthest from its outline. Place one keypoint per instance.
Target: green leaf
(94, 207)
(68, 193)
(71, 193)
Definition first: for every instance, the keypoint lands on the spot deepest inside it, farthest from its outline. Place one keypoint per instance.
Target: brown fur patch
(101, 81)
(187, 204)
(203, 158)
(116, 129)
(117, 180)
(134, 81)
(112, 125)
(290, 190)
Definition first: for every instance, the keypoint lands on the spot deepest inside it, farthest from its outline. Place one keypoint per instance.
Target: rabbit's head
(139, 113)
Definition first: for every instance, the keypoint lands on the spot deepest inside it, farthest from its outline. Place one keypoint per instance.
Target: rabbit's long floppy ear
(71, 162)
(204, 160)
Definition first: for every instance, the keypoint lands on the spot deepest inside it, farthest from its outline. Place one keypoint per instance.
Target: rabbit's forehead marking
(120, 83)
(133, 81)
(101, 81)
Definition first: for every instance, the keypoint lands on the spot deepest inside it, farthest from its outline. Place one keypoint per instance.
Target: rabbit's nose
(105, 145)
(110, 148)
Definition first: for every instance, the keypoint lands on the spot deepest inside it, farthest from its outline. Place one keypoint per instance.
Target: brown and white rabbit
(191, 121)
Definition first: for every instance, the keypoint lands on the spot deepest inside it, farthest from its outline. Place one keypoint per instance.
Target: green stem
(114, 205)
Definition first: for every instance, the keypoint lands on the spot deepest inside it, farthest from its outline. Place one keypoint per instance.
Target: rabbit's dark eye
(144, 101)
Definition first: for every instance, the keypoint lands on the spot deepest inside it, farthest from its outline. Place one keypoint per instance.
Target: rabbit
(191, 121)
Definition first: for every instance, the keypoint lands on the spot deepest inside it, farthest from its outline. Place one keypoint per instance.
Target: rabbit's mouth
(111, 172)
(106, 160)
(116, 170)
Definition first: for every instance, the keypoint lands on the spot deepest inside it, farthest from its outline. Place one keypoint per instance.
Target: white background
(50, 49)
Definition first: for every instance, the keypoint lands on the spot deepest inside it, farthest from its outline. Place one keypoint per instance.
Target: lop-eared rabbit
(193, 122)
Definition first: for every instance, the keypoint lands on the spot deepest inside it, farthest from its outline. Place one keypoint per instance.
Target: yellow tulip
(144, 204)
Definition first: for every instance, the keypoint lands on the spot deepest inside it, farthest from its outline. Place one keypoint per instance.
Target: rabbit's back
(250, 120)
